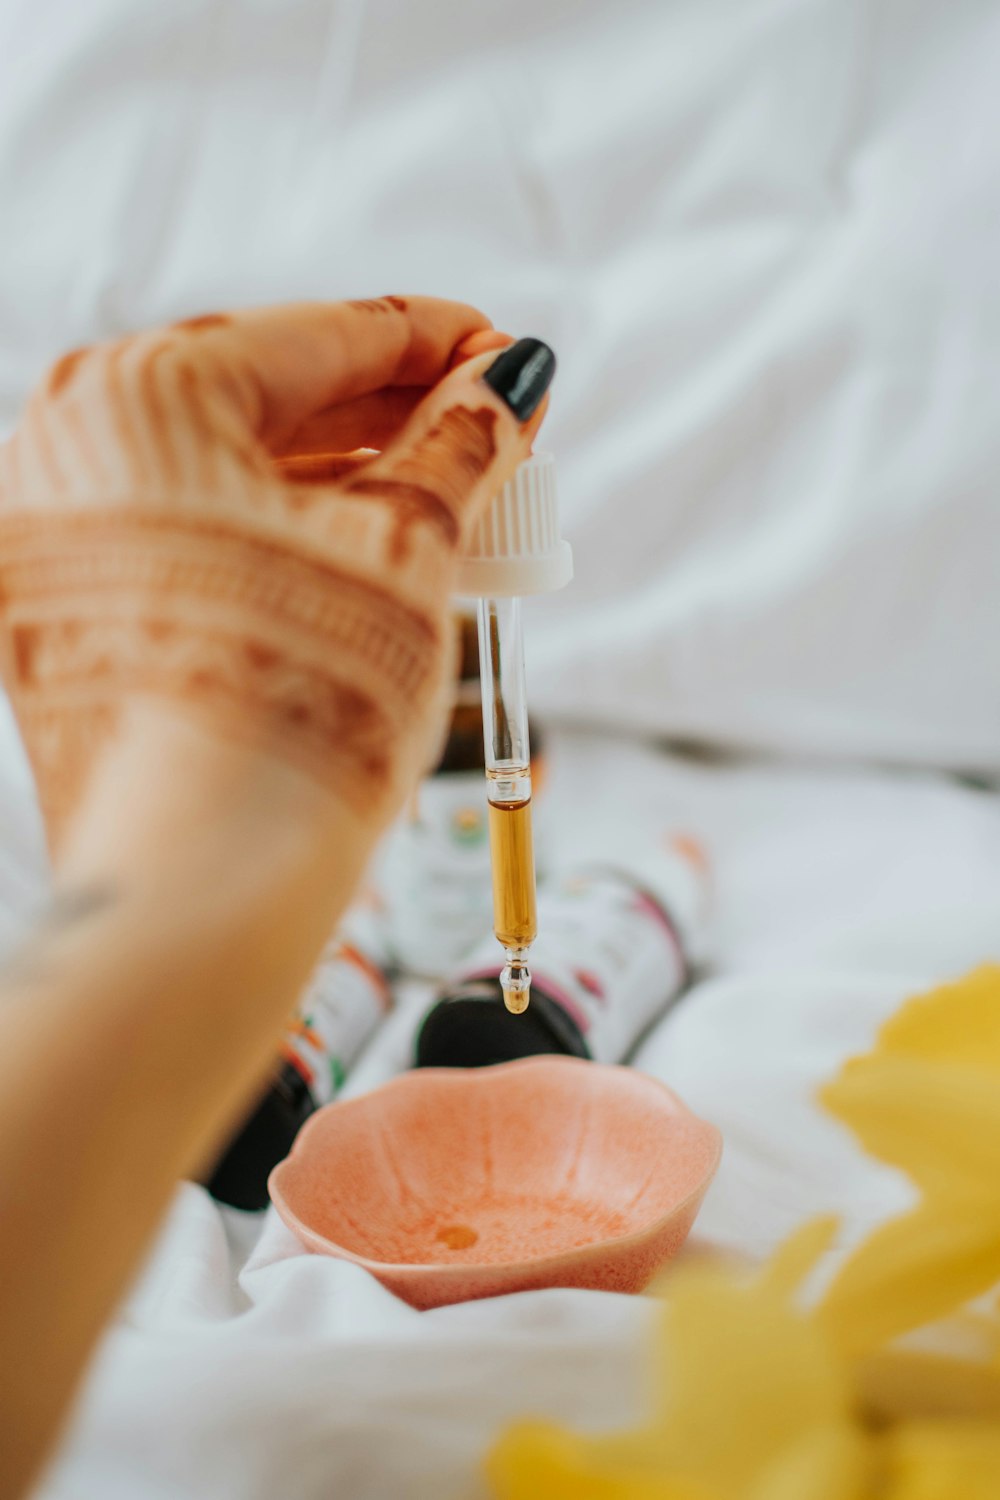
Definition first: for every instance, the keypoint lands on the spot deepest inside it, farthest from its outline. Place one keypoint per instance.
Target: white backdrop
(763, 235)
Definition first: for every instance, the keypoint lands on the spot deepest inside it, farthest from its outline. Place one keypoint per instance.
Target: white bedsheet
(762, 235)
(244, 1369)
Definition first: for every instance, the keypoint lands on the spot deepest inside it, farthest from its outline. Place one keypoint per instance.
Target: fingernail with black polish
(521, 375)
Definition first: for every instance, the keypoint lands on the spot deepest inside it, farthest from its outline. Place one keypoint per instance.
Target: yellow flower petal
(939, 1122)
(793, 1260)
(956, 1023)
(894, 1383)
(832, 1463)
(927, 1100)
(912, 1271)
(534, 1461)
(943, 1461)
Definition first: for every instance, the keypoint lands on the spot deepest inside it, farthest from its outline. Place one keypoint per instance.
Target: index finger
(308, 356)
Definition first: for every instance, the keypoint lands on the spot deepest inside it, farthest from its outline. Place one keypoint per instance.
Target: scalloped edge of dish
(462, 1270)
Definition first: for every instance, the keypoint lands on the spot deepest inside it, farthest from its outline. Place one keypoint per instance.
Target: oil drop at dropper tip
(515, 981)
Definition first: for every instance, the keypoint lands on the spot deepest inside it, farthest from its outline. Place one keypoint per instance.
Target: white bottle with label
(347, 999)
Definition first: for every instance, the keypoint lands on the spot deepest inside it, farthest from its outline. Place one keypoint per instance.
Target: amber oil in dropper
(513, 858)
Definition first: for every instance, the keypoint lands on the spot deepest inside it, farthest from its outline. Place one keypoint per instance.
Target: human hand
(224, 642)
(177, 527)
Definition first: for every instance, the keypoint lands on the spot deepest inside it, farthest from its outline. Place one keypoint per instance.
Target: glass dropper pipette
(516, 550)
(508, 789)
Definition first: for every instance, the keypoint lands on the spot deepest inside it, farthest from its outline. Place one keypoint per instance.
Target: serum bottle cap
(517, 547)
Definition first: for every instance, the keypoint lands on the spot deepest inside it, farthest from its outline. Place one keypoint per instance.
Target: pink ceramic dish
(450, 1184)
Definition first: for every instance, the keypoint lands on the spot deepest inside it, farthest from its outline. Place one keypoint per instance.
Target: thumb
(463, 441)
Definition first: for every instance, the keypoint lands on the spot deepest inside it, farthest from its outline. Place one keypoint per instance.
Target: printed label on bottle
(436, 878)
(607, 952)
(346, 1000)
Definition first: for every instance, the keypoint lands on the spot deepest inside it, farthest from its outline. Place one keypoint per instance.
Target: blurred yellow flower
(757, 1407)
(761, 1399)
(926, 1099)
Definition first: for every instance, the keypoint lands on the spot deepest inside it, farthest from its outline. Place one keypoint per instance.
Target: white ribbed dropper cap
(516, 547)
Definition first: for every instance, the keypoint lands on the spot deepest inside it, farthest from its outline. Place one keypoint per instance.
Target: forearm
(296, 622)
(134, 1024)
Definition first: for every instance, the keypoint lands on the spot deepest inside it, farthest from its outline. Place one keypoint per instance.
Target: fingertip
(486, 341)
(521, 394)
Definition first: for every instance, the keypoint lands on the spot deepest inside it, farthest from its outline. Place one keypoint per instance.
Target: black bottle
(265, 1137)
(470, 1027)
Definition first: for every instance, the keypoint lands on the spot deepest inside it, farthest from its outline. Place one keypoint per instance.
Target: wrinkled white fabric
(243, 1369)
(764, 239)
